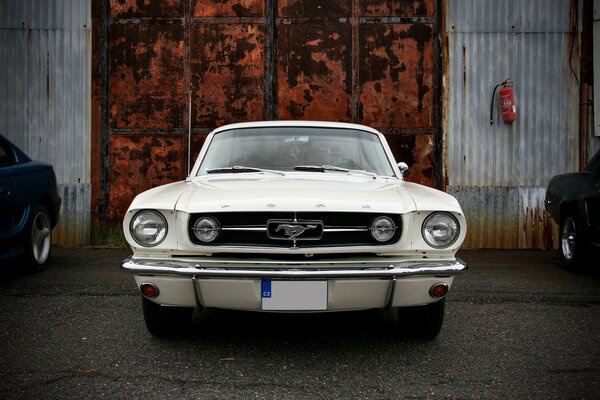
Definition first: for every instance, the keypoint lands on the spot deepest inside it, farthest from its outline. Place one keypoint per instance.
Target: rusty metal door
(375, 62)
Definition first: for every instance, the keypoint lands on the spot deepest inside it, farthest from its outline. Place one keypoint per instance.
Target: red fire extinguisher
(507, 102)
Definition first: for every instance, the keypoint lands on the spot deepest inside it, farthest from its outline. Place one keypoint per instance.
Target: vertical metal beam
(270, 59)
(355, 54)
(585, 79)
(187, 84)
(438, 143)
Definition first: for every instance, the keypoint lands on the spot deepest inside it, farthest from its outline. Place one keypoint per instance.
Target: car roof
(291, 123)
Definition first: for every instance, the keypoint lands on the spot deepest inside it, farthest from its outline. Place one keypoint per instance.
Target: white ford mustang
(294, 216)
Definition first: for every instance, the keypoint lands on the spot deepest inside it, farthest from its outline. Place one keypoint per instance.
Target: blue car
(29, 206)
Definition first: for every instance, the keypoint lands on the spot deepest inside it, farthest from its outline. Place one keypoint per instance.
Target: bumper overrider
(348, 286)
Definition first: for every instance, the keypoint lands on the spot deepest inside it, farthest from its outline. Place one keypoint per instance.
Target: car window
(7, 156)
(283, 148)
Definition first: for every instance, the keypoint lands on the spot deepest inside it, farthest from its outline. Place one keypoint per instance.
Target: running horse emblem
(293, 231)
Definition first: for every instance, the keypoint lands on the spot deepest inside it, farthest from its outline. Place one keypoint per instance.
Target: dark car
(29, 206)
(573, 200)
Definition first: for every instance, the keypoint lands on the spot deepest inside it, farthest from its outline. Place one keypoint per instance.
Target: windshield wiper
(241, 169)
(325, 168)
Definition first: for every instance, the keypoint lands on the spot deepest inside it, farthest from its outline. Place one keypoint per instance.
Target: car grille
(279, 229)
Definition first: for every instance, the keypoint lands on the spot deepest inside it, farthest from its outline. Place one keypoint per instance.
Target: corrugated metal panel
(508, 15)
(45, 109)
(499, 172)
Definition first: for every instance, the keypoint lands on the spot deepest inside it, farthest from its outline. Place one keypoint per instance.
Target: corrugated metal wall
(45, 49)
(499, 172)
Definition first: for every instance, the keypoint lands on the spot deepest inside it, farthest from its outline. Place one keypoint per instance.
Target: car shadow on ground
(219, 327)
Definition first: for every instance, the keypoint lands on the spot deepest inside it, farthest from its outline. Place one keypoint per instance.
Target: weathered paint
(418, 152)
(140, 162)
(145, 8)
(396, 74)
(146, 64)
(416, 8)
(369, 62)
(227, 73)
(314, 8)
(233, 8)
(314, 72)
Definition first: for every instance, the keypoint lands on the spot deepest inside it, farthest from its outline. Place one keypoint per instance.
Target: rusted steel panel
(140, 162)
(314, 79)
(146, 76)
(233, 8)
(418, 152)
(314, 8)
(227, 73)
(146, 8)
(396, 75)
(404, 8)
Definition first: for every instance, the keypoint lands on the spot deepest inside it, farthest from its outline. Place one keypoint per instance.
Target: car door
(7, 192)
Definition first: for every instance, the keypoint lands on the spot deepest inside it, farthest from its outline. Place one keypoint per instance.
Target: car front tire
(423, 322)
(38, 239)
(165, 321)
(572, 241)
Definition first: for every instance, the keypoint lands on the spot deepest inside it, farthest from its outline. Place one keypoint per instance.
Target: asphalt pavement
(517, 326)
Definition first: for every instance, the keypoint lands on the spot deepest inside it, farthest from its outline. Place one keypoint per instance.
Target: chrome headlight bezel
(211, 227)
(440, 230)
(383, 229)
(148, 220)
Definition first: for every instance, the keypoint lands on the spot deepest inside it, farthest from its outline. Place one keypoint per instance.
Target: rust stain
(227, 73)
(146, 80)
(396, 73)
(405, 8)
(145, 8)
(232, 8)
(138, 163)
(418, 152)
(313, 72)
(314, 8)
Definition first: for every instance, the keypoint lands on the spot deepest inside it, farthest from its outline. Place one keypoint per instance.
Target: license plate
(294, 295)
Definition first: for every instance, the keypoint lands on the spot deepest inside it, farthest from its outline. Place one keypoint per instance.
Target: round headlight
(382, 229)
(206, 229)
(148, 228)
(440, 230)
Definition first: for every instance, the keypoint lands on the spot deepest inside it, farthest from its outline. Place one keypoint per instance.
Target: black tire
(572, 241)
(38, 239)
(423, 322)
(165, 321)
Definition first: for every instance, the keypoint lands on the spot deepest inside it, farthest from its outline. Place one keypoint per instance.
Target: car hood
(295, 192)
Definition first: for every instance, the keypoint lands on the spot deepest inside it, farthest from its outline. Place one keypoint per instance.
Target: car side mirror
(403, 169)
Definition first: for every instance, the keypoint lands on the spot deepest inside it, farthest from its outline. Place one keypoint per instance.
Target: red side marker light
(438, 290)
(149, 290)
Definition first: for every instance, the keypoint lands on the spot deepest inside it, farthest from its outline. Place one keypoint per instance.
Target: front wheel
(572, 241)
(38, 239)
(165, 321)
(423, 322)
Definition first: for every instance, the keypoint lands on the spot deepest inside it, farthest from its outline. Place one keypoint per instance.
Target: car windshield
(319, 149)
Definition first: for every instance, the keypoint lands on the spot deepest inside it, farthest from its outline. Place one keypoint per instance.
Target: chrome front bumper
(292, 271)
